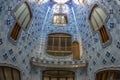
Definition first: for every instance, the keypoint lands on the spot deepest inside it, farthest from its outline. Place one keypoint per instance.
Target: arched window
(108, 75)
(23, 17)
(76, 51)
(59, 44)
(97, 19)
(58, 75)
(8, 73)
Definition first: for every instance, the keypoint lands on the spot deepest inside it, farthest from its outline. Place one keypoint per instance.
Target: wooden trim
(92, 10)
(61, 24)
(59, 49)
(11, 70)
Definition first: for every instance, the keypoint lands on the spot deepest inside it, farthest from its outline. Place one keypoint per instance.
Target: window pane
(26, 21)
(94, 23)
(56, 42)
(1, 74)
(104, 34)
(16, 75)
(97, 18)
(15, 31)
(22, 17)
(117, 76)
(68, 43)
(53, 78)
(101, 13)
(62, 43)
(8, 74)
(50, 42)
(62, 78)
(60, 19)
(70, 79)
(20, 9)
(46, 78)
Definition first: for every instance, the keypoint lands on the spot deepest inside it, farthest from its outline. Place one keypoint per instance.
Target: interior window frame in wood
(54, 50)
(60, 24)
(107, 75)
(58, 74)
(3, 68)
(102, 29)
(17, 27)
(76, 50)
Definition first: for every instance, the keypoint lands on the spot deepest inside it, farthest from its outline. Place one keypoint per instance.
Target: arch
(9, 73)
(75, 50)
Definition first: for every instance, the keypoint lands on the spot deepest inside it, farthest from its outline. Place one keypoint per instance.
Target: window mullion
(65, 44)
(52, 43)
(4, 73)
(59, 45)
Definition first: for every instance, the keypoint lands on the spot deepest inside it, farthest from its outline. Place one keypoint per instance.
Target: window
(60, 19)
(23, 17)
(58, 75)
(59, 44)
(76, 51)
(97, 19)
(8, 73)
(108, 75)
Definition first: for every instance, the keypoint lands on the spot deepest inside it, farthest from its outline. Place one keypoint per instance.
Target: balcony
(58, 64)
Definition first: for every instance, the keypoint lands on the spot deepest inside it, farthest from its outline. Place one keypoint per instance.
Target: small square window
(60, 19)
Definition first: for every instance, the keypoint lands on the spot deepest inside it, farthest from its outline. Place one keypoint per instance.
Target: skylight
(61, 1)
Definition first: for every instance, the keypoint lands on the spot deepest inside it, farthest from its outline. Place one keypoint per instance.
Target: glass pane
(117, 76)
(26, 21)
(54, 20)
(46, 78)
(97, 18)
(62, 43)
(101, 13)
(22, 17)
(20, 9)
(70, 79)
(16, 75)
(60, 19)
(1, 74)
(8, 74)
(53, 78)
(68, 43)
(62, 78)
(94, 23)
(50, 41)
(56, 41)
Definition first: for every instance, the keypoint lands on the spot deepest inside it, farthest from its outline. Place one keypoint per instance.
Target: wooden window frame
(60, 24)
(107, 75)
(76, 51)
(17, 27)
(67, 49)
(58, 74)
(11, 70)
(102, 29)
